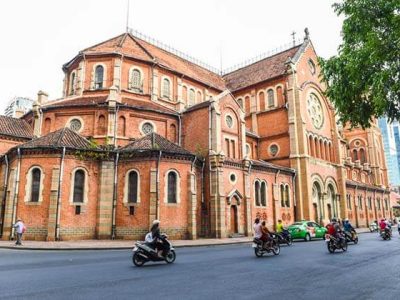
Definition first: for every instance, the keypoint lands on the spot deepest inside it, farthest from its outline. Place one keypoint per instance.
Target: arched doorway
(234, 220)
(332, 203)
(317, 201)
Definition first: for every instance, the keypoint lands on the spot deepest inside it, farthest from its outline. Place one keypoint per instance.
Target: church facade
(143, 134)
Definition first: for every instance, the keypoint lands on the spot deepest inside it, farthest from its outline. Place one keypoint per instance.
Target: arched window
(282, 195)
(184, 94)
(98, 77)
(121, 126)
(35, 187)
(257, 193)
(271, 100)
(166, 88)
(172, 187)
(79, 186)
(247, 105)
(279, 93)
(287, 196)
(316, 146)
(362, 156)
(136, 80)
(261, 99)
(355, 155)
(199, 97)
(240, 101)
(47, 126)
(311, 145)
(263, 194)
(72, 83)
(102, 125)
(172, 133)
(133, 187)
(192, 97)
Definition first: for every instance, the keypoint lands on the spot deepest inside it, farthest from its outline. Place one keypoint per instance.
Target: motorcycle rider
(335, 230)
(257, 229)
(348, 228)
(155, 234)
(384, 226)
(279, 227)
(266, 235)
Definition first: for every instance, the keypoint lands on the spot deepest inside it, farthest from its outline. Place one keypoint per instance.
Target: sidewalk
(123, 244)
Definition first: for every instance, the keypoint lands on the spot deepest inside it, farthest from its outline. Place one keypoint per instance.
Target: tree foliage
(363, 80)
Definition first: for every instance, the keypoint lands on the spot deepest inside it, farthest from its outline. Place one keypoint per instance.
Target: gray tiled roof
(15, 127)
(153, 141)
(64, 137)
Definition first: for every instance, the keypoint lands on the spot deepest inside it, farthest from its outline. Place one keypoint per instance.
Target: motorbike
(285, 237)
(335, 243)
(386, 234)
(373, 227)
(260, 248)
(144, 252)
(351, 237)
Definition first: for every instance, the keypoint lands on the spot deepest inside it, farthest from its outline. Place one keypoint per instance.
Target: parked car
(307, 230)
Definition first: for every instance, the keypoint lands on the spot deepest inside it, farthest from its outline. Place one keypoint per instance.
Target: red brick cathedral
(143, 134)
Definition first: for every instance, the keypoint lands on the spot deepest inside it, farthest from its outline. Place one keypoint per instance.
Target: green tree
(363, 80)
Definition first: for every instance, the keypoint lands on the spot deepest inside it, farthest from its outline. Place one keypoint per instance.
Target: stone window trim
(286, 190)
(191, 96)
(93, 82)
(240, 102)
(248, 150)
(126, 188)
(130, 82)
(260, 182)
(163, 96)
(144, 122)
(233, 174)
(227, 116)
(178, 187)
(313, 95)
(312, 67)
(267, 94)
(86, 187)
(72, 118)
(72, 83)
(270, 152)
(28, 185)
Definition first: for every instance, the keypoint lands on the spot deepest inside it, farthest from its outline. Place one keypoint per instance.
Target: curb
(115, 248)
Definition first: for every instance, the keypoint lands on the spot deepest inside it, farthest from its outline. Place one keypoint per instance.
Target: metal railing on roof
(172, 50)
(262, 56)
(198, 62)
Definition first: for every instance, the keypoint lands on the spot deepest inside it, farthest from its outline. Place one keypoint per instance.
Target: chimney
(42, 97)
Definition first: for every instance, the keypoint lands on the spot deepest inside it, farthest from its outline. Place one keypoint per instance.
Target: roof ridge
(141, 46)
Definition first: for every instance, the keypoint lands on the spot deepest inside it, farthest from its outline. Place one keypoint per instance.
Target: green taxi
(307, 230)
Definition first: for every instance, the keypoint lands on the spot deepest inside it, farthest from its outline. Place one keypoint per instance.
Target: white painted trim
(130, 87)
(28, 184)
(269, 149)
(86, 188)
(178, 186)
(92, 84)
(236, 178)
(126, 186)
(170, 97)
(189, 102)
(72, 118)
(146, 121)
(72, 88)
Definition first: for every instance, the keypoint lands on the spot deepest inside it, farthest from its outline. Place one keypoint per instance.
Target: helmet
(334, 220)
(156, 222)
(346, 220)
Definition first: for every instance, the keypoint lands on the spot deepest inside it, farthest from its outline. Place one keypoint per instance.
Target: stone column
(8, 213)
(153, 214)
(117, 73)
(105, 200)
(80, 78)
(180, 103)
(112, 100)
(217, 199)
(247, 197)
(51, 224)
(192, 206)
(155, 88)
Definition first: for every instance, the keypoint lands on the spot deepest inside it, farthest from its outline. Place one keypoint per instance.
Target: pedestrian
(20, 229)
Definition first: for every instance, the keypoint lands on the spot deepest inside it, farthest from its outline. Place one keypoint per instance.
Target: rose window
(315, 112)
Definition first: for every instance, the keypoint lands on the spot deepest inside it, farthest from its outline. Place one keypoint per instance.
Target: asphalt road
(369, 270)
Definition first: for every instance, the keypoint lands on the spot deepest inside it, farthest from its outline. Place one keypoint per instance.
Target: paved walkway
(122, 244)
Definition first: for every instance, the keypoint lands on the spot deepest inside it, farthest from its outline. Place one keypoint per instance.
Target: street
(369, 270)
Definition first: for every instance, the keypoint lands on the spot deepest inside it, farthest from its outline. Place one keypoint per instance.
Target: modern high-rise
(391, 148)
(18, 106)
